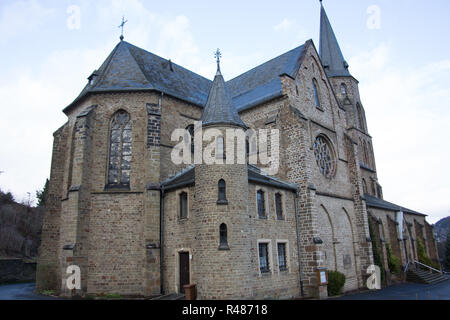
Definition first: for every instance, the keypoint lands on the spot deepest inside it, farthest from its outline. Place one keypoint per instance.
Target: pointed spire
(219, 108)
(329, 50)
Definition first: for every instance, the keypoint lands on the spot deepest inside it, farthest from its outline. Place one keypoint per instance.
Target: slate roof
(263, 83)
(187, 177)
(219, 108)
(129, 68)
(329, 51)
(382, 204)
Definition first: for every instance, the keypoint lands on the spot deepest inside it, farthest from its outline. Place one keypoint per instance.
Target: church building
(138, 224)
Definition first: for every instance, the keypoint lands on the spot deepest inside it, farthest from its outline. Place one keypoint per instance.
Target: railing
(406, 268)
(428, 267)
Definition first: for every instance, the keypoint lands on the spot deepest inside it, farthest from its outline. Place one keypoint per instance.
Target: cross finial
(121, 26)
(218, 55)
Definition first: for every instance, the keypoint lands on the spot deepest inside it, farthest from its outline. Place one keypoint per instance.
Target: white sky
(400, 59)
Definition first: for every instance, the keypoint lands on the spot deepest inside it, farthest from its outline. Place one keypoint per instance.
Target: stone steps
(421, 276)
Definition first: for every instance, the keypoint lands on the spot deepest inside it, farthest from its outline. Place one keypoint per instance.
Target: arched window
(364, 184)
(279, 205)
(366, 154)
(190, 129)
(261, 204)
(222, 192)
(120, 150)
(223, 235)
(343, 89)
(316, 93)
(183, 205)
(360, 117)
(371, 158)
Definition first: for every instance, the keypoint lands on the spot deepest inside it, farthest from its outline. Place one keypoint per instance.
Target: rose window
(324, 157)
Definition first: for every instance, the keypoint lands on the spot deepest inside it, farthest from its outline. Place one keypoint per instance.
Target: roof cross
(121, 26)
(218, 55)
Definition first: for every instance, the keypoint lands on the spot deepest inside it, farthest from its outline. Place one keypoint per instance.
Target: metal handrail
(407, 266)
(424, 265)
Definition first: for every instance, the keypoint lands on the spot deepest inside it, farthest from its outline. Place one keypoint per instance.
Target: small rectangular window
(264, 258)
(183, 205)
(282, 256)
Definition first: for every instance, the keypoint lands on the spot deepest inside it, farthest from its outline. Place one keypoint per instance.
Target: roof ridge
(268, 61)
(173, 63)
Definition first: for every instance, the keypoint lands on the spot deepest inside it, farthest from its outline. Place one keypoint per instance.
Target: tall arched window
(366, 154)
(360, 117)
(222, 192)
(316, 93)
(364, 184)
(223, 235)
(371, 158)
(120, 150)
(261, 202)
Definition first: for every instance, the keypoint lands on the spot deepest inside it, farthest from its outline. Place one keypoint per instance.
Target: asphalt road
(21, 291)
(406, 291)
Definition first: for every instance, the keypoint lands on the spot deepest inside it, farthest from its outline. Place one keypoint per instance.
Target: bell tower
(347, 92)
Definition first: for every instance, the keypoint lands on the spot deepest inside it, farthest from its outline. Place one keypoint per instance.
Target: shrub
(423, 257)
(393, 261)
(376, 253)
(336, 281)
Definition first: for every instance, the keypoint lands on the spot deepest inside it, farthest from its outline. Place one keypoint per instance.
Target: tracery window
(120, 150)
(324, 156)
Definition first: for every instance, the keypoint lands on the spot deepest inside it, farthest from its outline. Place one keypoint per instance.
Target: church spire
(329, 50)
(219, 108)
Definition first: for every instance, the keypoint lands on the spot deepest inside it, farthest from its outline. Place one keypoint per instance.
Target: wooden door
(184, 270)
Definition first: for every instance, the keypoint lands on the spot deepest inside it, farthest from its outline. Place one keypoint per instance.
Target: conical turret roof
(219, 108)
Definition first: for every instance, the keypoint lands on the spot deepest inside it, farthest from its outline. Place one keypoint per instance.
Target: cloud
(20, 17)
(285, 25)
(408, 113)
(290, 28)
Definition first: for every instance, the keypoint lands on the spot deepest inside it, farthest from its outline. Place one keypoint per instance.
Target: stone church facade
(137, 224)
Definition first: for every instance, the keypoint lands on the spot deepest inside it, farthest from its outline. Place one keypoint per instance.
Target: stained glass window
(120, 150)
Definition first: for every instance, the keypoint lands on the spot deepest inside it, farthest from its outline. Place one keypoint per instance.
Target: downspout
(161, 237)
(161, 219)
(298, 245)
